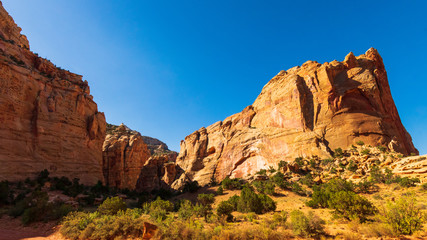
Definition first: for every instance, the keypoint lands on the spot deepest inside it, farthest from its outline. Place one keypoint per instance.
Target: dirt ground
(12, 229)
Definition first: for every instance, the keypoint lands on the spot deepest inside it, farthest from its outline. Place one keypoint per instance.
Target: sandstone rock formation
(136, 162)
(48, 118)
(415, 167)
(304, 111)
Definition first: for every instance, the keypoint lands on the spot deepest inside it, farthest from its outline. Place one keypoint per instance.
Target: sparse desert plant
(360, 143)
(220, 190)
(306, 226)
(158, 209)
(206, 201)
(338, 153)
(404, 216)
(186, 210)
(231, 184)
(366, 151)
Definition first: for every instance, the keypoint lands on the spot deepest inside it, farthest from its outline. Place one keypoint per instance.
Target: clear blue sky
(167, 68)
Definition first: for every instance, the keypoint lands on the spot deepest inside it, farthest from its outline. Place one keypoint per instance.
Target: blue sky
(167, 68)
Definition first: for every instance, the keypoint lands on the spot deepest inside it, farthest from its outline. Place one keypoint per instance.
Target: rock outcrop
(305, 111)
(415, 167)
(48, 118)
(136, 162)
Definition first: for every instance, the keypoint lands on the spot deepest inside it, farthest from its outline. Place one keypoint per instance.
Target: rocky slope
(307, 110)
(48, 117)
(136, 162)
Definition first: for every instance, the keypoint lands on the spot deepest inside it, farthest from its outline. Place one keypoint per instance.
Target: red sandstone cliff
(48, 118)
(303, 111)
(136, 162)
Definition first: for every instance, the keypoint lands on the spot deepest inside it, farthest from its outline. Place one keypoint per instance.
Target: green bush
(352, 166)
(231, 184)
(306, 226)
(111, 206)
(297, 188)
(279, 180)
(338, 153)
(282, 164)
(299, 161)
(404, 216)
(360, 143)
(43, 177)
(158, 209)
(407, 182)
(382, 148)
(191, 187)
(280, 218)
(267, 187)
(206, 201)
(91, 226)
(351, 206)
(186, 210)
(220, 190)
(262, 172)
(225, 209)
(366, 187)
(424, 186)
(365, 151)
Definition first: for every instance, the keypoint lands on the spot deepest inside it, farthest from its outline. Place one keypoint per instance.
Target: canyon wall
(307, 110)
(136, 162)
(48, 118)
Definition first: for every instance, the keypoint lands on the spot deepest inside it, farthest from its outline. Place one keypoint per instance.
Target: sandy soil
(12, 229)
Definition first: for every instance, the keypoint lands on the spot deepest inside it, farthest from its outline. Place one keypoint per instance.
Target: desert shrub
(249, 201)
(351, 206)
(231, 184)
(80, 225)
(43, 177)
(327, 161)
(360, 143)
(307, 180)
(111, 206)
(267, 203)
(338, 153)
(185, 209)
(424, 186)
(262, 172)
(206, 201)
(297, 188)
(158, 209)
(365, 151)
(299, 161)
(366, 187)
(37, 208)
(282, 164)
(266, 187)
(99, 189)
(271, 169)
(407, 182)
(191, 187)
(352, 166)
(306, 226)
(404, 216)
(382, 148)
(279, 179)
(220, 190)
(322, 193)
(4, 192)
(225, 209)
(280, 218)
(376, 230)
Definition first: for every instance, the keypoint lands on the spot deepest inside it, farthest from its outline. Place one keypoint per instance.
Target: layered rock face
(136, 162)
(304, 111)
(48, 118)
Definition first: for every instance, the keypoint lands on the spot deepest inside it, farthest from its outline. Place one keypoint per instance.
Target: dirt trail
(12, 229)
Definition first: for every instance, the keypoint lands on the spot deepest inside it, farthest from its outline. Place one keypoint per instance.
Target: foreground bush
(158, 209)
(111, 206)
(306, 226)
(404, 216)
(80, 225)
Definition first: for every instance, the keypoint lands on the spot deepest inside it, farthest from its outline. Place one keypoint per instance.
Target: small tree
(206, 201)
(306, 226)
(225, 209)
